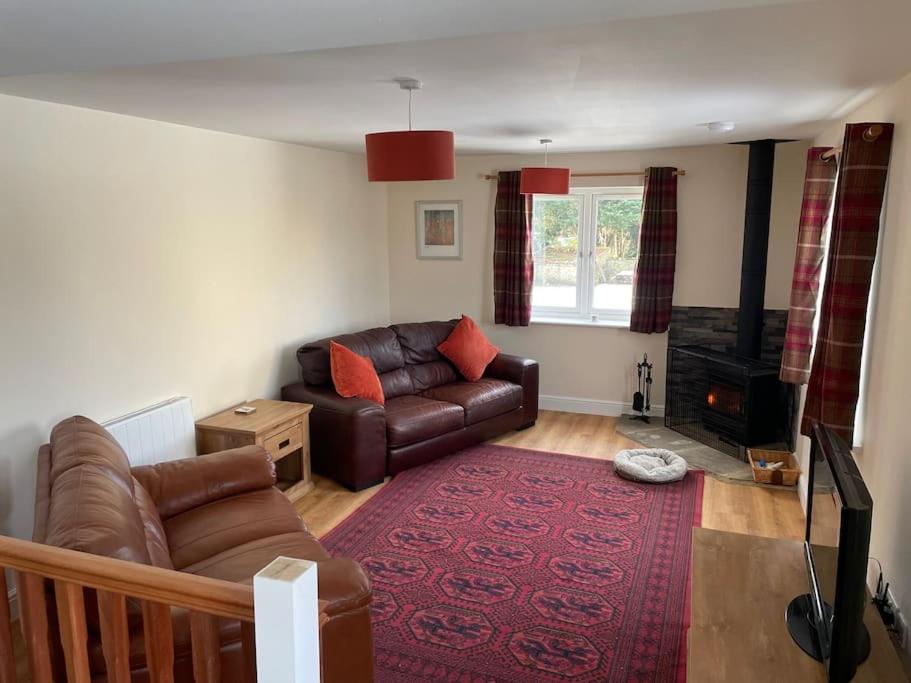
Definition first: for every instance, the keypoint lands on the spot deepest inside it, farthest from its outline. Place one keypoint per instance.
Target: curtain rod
(870, 135)
(602, 174)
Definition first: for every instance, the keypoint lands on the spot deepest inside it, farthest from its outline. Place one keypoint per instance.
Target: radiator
(161, 432)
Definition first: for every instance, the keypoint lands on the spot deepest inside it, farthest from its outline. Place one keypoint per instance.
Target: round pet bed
(650, 465)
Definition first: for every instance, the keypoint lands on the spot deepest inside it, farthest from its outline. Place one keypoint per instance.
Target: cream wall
(597, 364)
(143, 260)
(885, 456)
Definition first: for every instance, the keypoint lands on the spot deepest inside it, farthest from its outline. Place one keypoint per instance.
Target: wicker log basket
(786, 475)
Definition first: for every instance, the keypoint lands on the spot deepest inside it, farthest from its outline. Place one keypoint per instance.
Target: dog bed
(650, 465)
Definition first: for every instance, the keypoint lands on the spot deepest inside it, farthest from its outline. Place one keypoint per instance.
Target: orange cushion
(354, 375)
(468, 349)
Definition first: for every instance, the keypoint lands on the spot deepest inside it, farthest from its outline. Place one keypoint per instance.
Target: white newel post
(287, 622)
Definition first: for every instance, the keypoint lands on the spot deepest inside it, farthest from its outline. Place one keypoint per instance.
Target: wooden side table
(281, 427)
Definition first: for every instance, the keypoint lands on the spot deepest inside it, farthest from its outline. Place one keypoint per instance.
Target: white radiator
(161, 432)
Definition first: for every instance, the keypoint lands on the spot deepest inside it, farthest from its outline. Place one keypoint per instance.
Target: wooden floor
(728, 507)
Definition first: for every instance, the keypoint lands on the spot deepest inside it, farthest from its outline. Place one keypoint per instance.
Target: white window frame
(584, 311)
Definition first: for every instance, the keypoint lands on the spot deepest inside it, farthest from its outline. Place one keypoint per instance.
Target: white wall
(597, 363)
(885, 457)
(141, 260)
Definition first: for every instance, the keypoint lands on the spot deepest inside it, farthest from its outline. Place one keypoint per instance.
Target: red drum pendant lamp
(410, 154)
(542, 179)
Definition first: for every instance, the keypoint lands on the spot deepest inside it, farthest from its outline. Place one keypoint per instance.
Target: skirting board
(591, 406)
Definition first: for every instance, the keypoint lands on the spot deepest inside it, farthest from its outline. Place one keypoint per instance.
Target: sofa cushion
(95, 513)
(343, 584)
(208, 530)
(180, 485)
(397, 382)
(419, 341)
(353, 375)
(428, 375)
(481, 400)
(413, 418)
(469, 349)
(91, 505)
(79, 441)
(380, 344)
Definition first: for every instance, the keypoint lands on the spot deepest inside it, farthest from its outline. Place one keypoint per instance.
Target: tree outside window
(585, 248)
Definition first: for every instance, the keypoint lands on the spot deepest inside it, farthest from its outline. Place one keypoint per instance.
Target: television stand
(741, 589)
(799, 617)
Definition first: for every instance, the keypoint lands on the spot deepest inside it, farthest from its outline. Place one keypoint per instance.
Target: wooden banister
(33, 616)
(37, 567)
(7, 657)
(164, 586)
(248, 643)
(206, 655)
(73, 631)
(159, 641)
(115, 640)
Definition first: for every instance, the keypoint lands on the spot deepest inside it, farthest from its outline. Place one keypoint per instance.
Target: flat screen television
(828, 622)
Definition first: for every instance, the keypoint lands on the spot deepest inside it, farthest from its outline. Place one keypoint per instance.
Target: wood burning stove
(728, 398)
(726, 401)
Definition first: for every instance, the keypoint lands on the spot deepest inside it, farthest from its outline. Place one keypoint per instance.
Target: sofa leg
(527, 425)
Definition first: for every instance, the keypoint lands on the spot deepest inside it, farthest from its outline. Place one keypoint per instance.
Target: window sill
(580, 322)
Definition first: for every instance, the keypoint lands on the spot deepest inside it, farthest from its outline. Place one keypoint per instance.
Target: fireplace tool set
(642, 399)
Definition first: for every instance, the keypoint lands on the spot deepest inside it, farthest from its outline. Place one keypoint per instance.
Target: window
(585, 247)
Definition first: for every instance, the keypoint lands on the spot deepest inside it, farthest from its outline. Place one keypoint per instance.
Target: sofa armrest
(180, 485)
(521, 371)
(343, 585)
(347, 435)
(346, 634)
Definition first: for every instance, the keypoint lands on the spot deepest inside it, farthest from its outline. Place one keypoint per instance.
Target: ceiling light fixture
(410, 154)
(720, 126)
(542, 179)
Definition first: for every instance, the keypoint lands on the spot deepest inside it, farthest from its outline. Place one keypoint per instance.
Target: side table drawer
(284, 442)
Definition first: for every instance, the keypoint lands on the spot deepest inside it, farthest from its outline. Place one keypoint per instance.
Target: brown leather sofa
(217, 515)
(430, 411)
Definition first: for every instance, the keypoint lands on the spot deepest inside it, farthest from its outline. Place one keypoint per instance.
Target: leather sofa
(430, 410)
(217, 515)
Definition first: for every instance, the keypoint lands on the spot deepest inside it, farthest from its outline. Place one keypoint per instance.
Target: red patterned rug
(505, 564)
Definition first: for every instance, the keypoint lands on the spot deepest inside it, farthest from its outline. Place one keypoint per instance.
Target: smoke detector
(720, 126)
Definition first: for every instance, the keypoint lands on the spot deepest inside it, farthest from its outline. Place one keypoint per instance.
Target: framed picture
(439, 229)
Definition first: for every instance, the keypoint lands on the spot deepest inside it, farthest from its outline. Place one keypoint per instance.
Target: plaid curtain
(835, 378)
(818, 188)
(513, 264)
(653, 279)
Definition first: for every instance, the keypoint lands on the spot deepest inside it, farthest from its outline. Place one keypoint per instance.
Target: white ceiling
(591, 74)
(41, 36)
